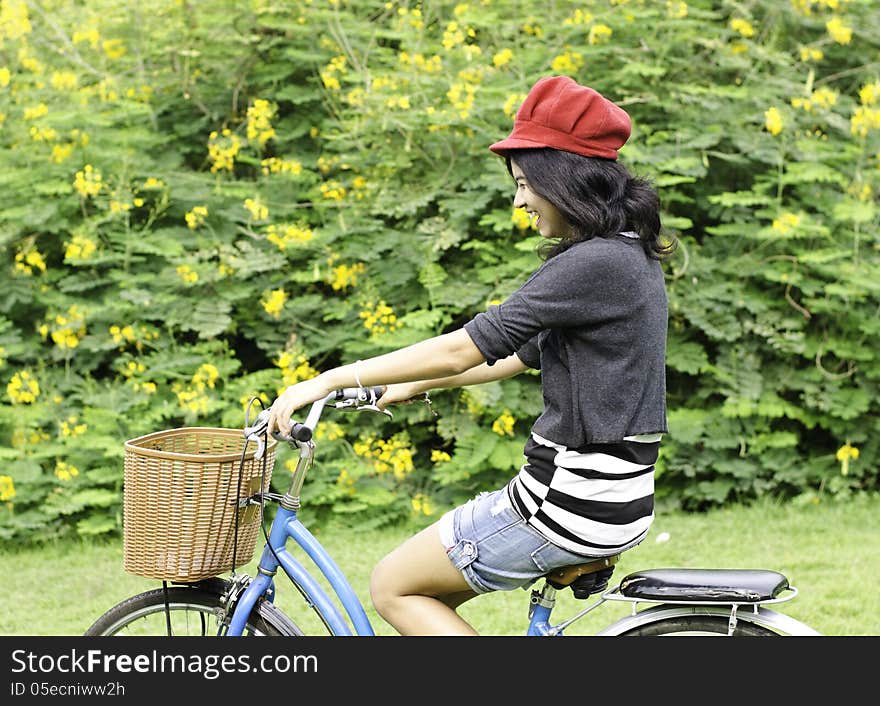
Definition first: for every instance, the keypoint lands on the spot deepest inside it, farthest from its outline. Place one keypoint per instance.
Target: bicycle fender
(771, 619)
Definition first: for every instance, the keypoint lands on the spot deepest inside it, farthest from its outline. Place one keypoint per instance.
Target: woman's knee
(383, 589)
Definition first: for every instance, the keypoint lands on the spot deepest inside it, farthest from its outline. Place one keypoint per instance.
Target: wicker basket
(181, 502)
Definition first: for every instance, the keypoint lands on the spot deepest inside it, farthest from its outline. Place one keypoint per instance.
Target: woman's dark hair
(597, 197)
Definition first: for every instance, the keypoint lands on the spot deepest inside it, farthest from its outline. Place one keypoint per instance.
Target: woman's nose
(518, 200)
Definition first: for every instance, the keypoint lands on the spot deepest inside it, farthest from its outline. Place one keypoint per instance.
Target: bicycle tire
(189, 607)
(698, 625)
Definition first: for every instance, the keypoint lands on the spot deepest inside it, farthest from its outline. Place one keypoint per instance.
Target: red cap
(560, 113)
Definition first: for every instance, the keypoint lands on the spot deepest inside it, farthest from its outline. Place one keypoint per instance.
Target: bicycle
(711, 601)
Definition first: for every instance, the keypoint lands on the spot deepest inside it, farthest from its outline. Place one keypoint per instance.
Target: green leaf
(97, 524)
(686, 426)
(850, 210)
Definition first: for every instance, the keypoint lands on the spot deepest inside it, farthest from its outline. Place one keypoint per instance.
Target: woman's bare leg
(416, 588)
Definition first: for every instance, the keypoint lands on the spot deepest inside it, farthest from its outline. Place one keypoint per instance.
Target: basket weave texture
(181, 502)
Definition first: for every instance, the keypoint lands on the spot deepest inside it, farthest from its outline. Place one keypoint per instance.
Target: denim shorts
(493, 547)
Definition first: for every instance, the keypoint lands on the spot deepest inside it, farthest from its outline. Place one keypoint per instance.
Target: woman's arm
(445, 356)
(479, 374)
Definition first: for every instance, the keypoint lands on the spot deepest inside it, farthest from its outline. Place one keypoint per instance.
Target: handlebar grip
(300, 432)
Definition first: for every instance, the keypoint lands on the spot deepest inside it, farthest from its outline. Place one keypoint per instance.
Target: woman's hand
(400, 393)
(292, 399)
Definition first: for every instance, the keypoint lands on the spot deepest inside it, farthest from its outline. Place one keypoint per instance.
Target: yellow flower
(87, 181)
(257, 209)
(223, 148)
(38, 111)
(567, 63)
(113, 48)
(14, 20)
(122, 334)
(743, 27)
(285, 235)
(438, 456)
(676, 10)
(275, 165)
(461, 94)
(379, 318)
(191, 400)
(23, 388)
(344, 276)
(7, 488)
(521, 219)
(811, 54)
(27, 260)
(205, 376)
(60, 153)
(578, 17)
(69, 427)
(599, 34)
(864, 119)
(839, 32)
(148, 388)
(844, 454)
(824, 97)
(869, 94)
(773, 121)
(511, 105)
(329, 431)
(132, 368)
(786, 222)
(259, 126)
(63, 80)
(273, 302)
(89, 35)
(187, 274)
(333, 190)
(67, 329)
(196, 217)
(394, 454)
(532, 29)
(502, 58)
(421, 505)
(503, 426)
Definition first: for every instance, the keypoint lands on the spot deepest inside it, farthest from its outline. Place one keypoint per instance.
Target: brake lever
(373, 408)
(257, 433)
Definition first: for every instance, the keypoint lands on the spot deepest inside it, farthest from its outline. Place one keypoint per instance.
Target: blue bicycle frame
(275, 553)
(286, 526)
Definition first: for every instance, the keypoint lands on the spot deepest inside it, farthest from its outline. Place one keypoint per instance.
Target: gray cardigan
(593, 320)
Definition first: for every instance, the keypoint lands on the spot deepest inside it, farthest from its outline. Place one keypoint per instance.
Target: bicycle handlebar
(363, 398)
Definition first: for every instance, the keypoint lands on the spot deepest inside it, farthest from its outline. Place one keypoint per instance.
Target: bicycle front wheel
(186, 611)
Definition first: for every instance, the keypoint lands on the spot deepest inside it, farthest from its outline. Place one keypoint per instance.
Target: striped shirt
(597, 500)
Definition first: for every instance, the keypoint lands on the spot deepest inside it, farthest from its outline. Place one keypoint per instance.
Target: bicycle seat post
(540, 607)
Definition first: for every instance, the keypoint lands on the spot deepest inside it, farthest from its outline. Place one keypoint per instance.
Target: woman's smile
(545, 216)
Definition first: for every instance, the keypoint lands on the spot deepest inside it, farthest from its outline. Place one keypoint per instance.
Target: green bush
(205, 202)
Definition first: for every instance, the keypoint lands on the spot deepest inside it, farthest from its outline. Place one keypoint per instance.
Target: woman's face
(549, 220)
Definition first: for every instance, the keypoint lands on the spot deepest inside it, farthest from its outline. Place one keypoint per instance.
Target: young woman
(592, 318)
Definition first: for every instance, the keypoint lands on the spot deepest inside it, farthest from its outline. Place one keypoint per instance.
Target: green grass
(830, 551)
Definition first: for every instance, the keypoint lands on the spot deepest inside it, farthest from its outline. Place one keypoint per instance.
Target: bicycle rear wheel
(697, 626)
(186, 611)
